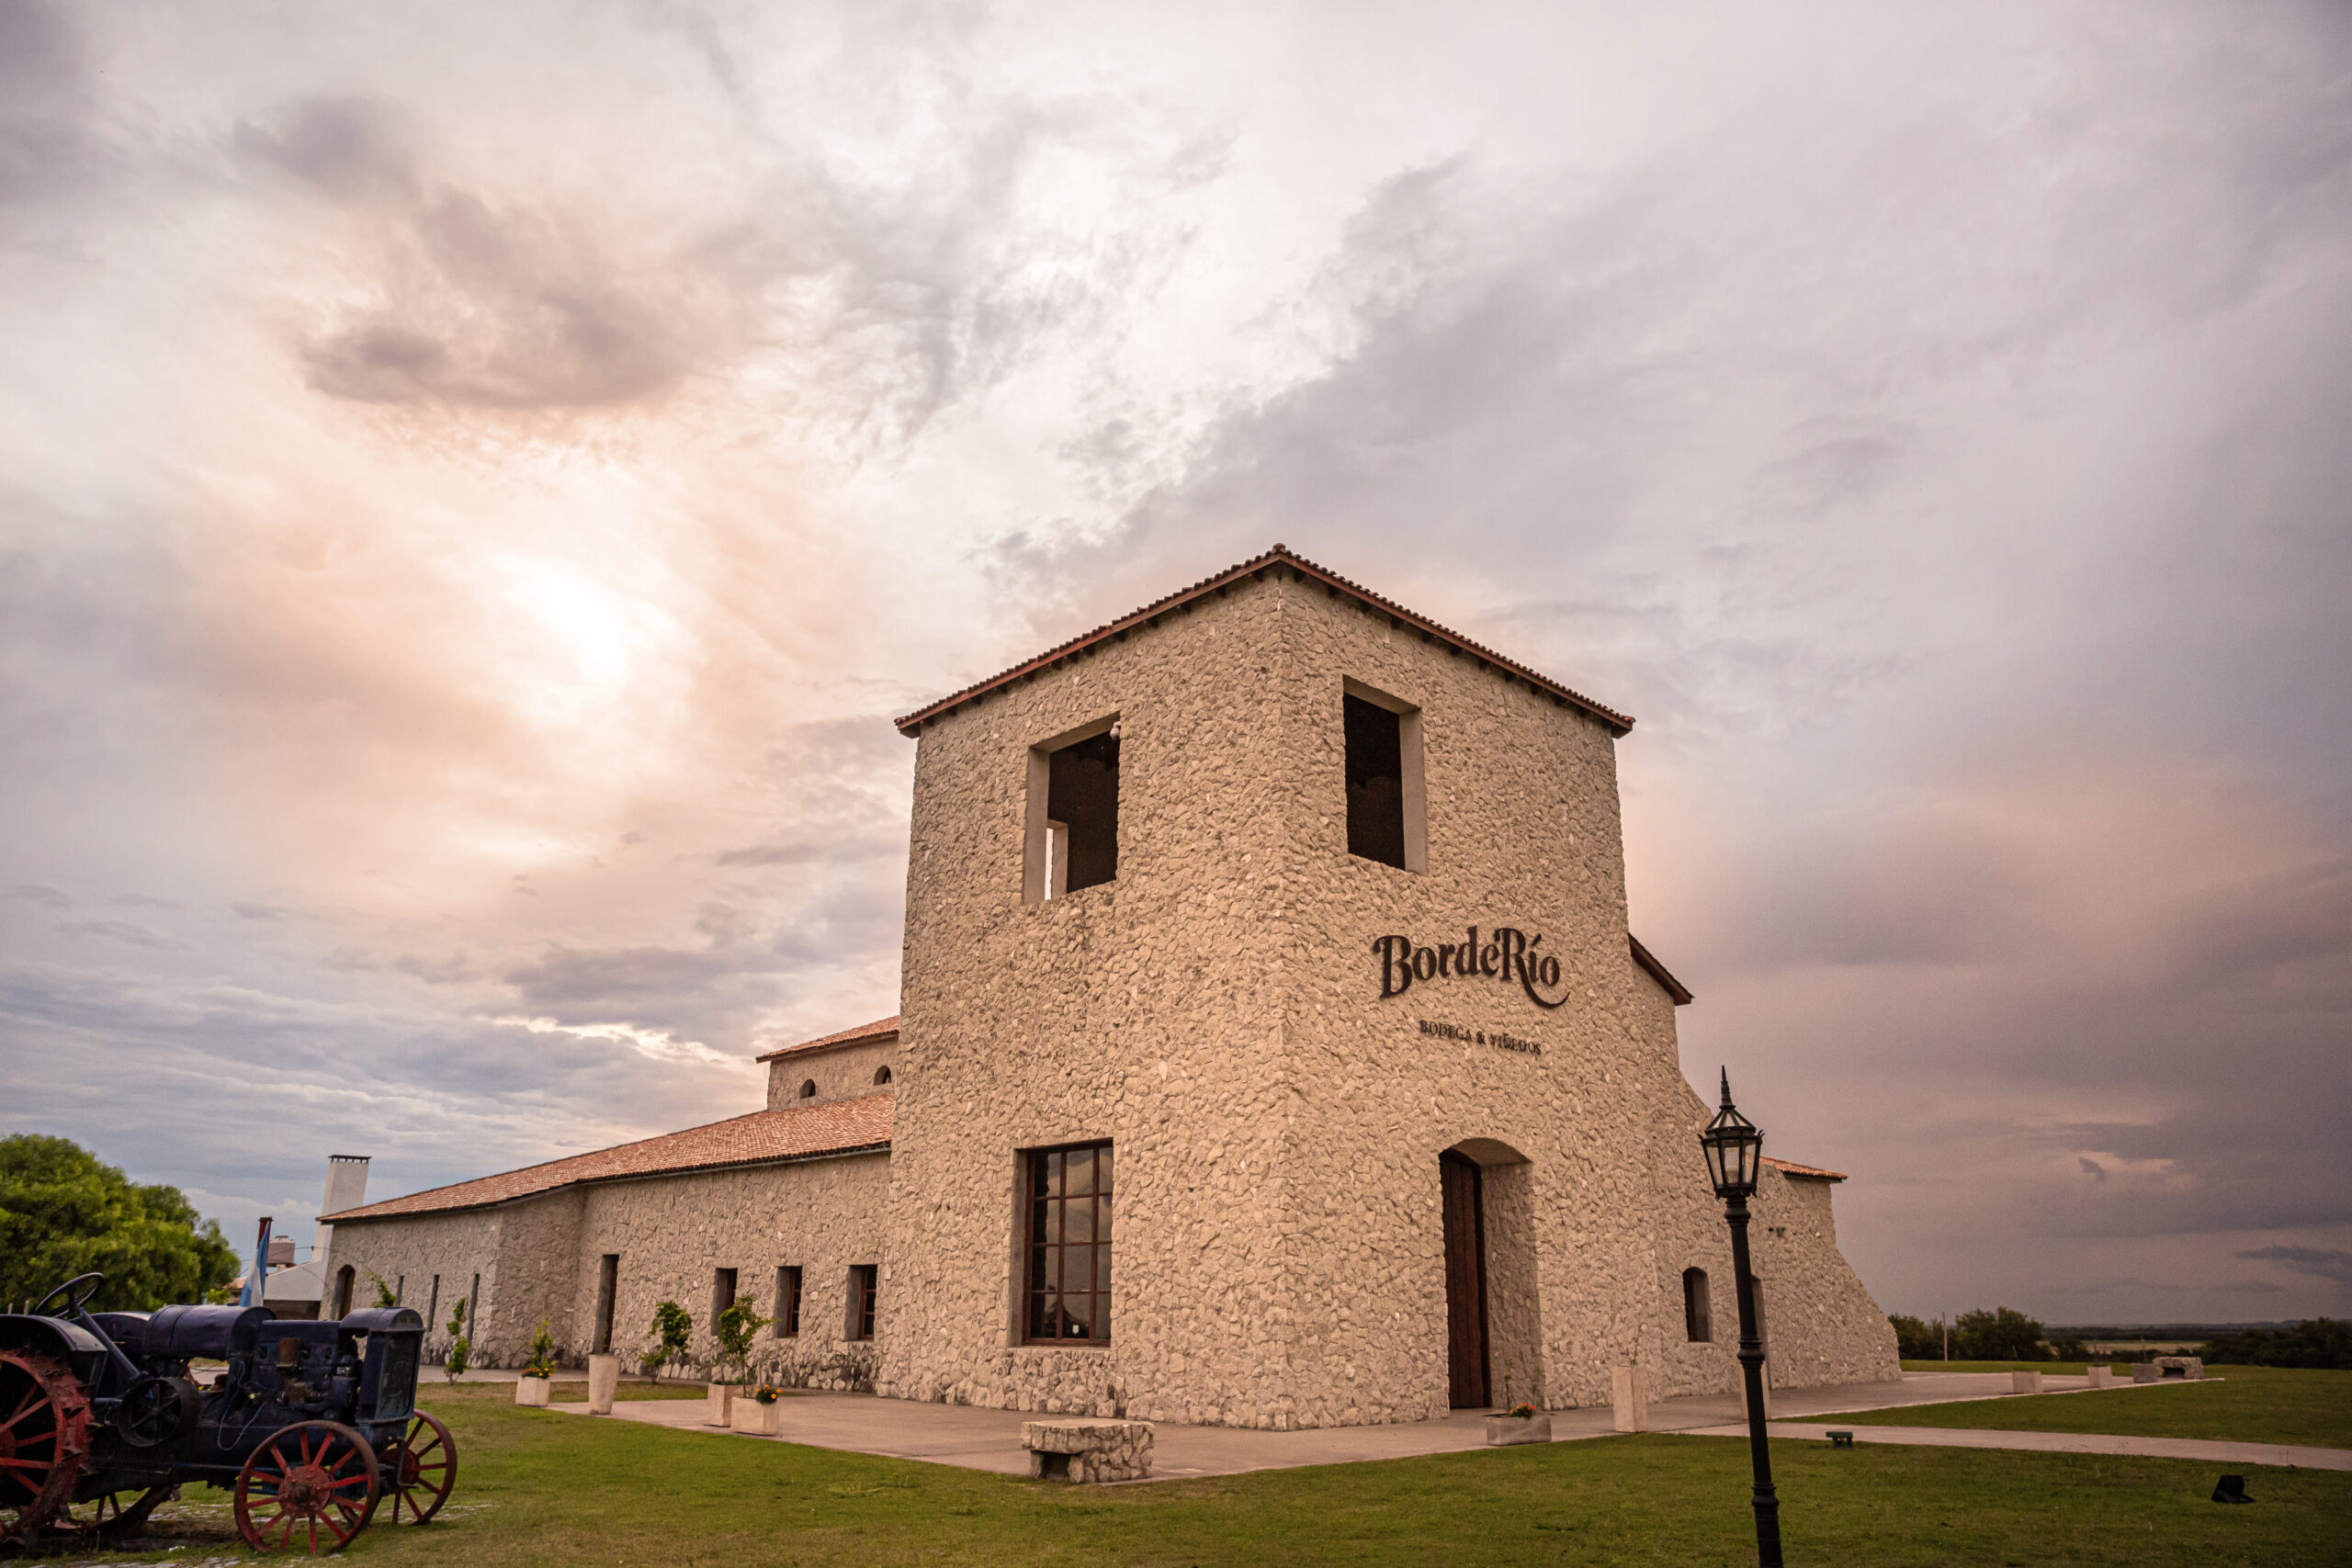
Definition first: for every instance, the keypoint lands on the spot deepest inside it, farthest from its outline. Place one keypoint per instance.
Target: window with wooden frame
(722, 1293)
(865, 1282)
(1068, 1201)
(788, 1301)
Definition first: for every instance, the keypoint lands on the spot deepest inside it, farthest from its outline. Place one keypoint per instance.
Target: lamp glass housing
(1735, 1150)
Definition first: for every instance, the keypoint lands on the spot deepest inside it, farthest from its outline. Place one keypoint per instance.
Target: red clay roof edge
(1807, 1172)
(360, 1216)
(863, 1032)
(1674, 987)
(1618, 723)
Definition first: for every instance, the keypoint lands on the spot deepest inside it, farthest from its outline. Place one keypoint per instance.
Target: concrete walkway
(2281, 1455)
(990, 1439)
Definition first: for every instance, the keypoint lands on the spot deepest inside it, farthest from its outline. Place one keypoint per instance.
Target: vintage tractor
(311, 1425)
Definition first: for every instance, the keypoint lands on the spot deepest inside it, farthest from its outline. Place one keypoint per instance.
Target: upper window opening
(1074, 839)
(809, 1089)
(881, 1075)
(1385, 818)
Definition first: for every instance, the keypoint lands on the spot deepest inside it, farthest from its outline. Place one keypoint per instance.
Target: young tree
(672, 1329)
(736, 1327)
(63, 1213)
(460, 1348)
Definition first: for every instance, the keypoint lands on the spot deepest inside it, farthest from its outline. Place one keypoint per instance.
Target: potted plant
(673, 1327)
(755, 1411)
(1522, 1422)
(735, 1330)
(460, 1348)
(536, 1385)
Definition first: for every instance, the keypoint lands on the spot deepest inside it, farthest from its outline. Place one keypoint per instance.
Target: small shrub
(673, 1328)
(460, 1348)
(736, 1328)
(384, 1296)
(542, 1362)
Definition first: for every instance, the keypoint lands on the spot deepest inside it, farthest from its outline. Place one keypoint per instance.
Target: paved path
(990, 1439)
(2282, 1455)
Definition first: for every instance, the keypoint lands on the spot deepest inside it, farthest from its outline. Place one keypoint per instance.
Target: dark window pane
(1376, 770)
(1082, 793)
(1053, 1173)
(1077, 1168)
(1102, 1218)
(1102, 1270)
(1102, 1168)
(1078, 1223)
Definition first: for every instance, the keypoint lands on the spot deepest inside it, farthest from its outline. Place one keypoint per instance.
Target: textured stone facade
(540, 1258)
(1216, 1011)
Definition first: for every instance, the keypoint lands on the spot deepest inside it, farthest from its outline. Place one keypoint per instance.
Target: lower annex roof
(764, 1137)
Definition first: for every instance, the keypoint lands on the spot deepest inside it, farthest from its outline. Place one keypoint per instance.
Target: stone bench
(2164, 1366)
(1081, 1450)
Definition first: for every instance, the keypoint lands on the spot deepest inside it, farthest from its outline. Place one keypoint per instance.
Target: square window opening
(1067, 1230)
(1387, 802)
(1073, 831)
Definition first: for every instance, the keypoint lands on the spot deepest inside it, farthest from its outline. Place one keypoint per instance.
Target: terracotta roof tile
(763, 1137)
(881, 1027)
(1811, 1172)
(1279, 555)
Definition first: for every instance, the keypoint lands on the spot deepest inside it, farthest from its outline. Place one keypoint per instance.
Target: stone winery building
(1272, 1052)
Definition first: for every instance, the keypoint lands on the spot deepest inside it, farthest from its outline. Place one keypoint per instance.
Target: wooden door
(1466, 1280)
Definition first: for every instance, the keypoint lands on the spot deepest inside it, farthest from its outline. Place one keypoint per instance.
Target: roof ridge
(1280, 555)
(511, 1191)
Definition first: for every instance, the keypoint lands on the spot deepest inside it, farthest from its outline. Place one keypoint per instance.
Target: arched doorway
(345, 1277)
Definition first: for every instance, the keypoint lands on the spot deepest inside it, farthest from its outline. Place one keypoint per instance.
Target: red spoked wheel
(423, 1462)
(309, 1488)
(44, 1438)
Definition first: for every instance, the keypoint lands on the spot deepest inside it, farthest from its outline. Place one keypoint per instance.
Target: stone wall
(538, 1259)
(840, 1072)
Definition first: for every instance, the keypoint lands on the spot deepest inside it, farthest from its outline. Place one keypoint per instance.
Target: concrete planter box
(1502, 1431)
(534, 1391)
(722, 1403)
(2021, 1382)
(749, 1415)
(604, 1383)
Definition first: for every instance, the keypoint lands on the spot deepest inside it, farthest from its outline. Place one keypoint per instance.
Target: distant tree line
(2001, 1335)
(2321, 1342)
(1998, 1333)
(63, 1212)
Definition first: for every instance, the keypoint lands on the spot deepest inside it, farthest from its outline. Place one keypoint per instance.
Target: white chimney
(346, 1189)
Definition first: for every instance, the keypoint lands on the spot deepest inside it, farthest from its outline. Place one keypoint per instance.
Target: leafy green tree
(2000, 1334)
(736, 1327)
(1916, 1339)
(2319, 1342)
(460, 1348)
(63, 1213)
(673, 1326)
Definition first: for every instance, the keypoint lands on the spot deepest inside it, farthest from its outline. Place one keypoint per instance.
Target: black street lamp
(1735, 1151)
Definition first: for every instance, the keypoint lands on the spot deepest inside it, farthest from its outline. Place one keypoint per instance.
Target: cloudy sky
(476, 481)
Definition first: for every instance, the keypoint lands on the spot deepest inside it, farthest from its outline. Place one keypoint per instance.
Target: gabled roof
(880, 1028)
(1804, 1172)
(764, 1137)
(1656, 971)
(1276, 560)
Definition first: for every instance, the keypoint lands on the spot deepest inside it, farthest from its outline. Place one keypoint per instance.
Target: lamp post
(1735, 1151)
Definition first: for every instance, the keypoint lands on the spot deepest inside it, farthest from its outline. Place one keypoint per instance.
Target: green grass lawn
(535, 1487)
(2247, 1404)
